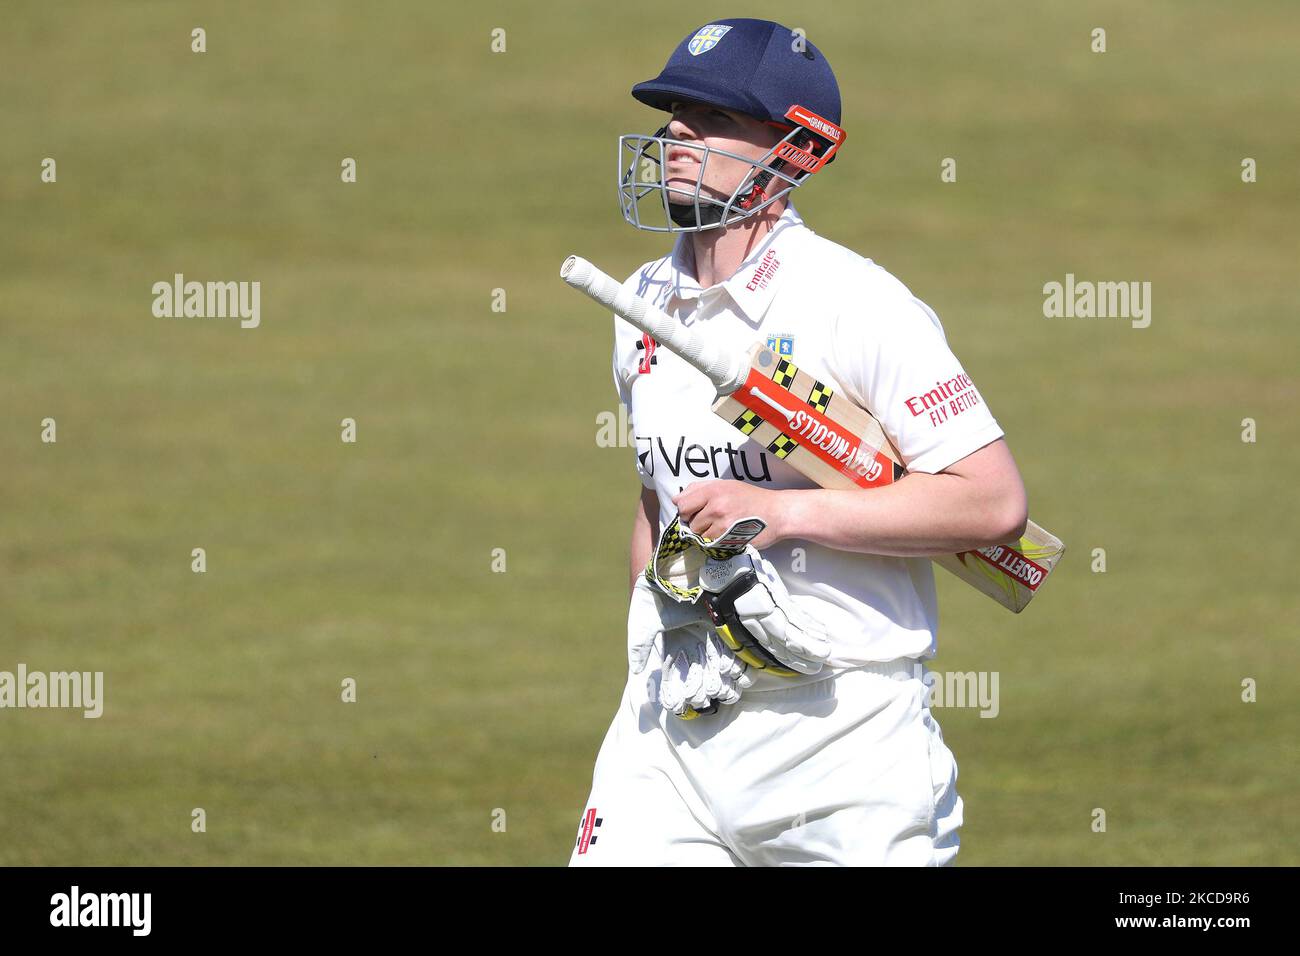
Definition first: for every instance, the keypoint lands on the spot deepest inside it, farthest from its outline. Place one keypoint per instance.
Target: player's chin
(682, 193)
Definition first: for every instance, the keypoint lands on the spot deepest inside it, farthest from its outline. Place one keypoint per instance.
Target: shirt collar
(756, 280)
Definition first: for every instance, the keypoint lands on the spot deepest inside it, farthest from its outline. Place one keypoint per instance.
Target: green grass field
(480, 691)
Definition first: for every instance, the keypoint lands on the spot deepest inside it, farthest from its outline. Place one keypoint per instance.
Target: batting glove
(756, 617)
(650, 615)
(699, 672)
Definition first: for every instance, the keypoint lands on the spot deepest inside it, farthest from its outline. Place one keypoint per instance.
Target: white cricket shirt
(858, 329)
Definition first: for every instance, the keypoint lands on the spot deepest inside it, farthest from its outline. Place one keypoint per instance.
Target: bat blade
(837, 444)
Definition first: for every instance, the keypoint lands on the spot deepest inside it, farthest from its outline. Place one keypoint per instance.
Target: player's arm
(973, 503)
(645, 526)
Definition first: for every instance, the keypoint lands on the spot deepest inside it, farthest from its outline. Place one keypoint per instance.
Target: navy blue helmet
(755, 67)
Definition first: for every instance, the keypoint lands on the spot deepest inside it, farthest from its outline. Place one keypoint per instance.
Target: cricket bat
(824, 436)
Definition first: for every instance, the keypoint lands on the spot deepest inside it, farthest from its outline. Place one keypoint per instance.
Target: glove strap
(722, 611)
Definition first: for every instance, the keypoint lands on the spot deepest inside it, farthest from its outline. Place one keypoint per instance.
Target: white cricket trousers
(847, 771)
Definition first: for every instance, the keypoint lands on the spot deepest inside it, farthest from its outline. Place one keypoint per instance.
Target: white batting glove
(755, 615)
(650, 615)
(699, 672)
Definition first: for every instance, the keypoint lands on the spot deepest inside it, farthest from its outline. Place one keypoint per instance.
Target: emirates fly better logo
(946, 400)
(763, 274)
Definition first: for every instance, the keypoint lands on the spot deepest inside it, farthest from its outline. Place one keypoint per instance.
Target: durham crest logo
(707, 38)
(782, 345)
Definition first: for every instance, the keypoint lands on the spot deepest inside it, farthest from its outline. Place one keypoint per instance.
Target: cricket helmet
(755, 67)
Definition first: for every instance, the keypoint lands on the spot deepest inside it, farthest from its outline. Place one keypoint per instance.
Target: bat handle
(726, 372)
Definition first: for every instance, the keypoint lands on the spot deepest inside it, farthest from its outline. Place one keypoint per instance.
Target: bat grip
(726, 372)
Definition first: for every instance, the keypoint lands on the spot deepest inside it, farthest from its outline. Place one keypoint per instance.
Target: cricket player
(776, 709)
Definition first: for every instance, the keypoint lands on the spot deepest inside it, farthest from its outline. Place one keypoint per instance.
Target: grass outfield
(480, 691)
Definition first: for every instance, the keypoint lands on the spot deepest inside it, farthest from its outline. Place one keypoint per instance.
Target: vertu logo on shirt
(701, 461)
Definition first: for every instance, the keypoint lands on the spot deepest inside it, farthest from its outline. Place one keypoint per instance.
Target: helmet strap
(762, 179)
(683, 214)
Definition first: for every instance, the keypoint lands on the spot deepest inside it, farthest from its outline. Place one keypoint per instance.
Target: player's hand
(709, 508)
(699, 673)
(650, 615)
(755, 615)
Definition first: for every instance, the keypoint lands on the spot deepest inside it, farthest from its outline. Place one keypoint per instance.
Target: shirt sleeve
(621, 362)
(620, 383)
(893, 359)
